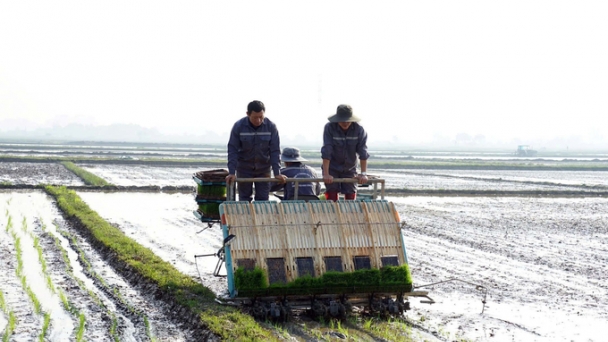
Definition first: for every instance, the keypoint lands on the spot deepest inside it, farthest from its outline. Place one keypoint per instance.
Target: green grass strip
(87, 177)
(227, 322)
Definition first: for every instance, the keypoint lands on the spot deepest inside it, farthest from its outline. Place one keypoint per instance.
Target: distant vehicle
(525, 151)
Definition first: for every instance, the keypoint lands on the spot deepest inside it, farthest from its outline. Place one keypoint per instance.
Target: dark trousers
(262, 189)
(345, 188)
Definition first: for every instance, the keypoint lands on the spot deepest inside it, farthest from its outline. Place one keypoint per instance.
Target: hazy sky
(414, 71)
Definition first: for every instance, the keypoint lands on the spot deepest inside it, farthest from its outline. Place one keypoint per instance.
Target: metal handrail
(231, 187)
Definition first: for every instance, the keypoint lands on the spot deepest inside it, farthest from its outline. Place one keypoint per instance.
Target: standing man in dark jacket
(343, 140)
(294, 168)
(253, 149)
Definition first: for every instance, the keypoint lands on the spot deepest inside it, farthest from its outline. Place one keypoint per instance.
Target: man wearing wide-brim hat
(344, 139)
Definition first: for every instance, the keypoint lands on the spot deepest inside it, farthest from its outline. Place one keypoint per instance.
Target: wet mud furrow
(83, 300)
(529, 234)
(539, 259)
(26, 323)
(86, 298)
(556, 184)
(44, 308)
(147, 318)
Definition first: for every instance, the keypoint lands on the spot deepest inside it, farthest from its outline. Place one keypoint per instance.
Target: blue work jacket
(300, 171)
(341, 148)
(253, 149)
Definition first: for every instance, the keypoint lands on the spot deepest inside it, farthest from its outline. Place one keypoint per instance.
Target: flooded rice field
(55, 286)
(142, 175)
(500, 180)
(37, 173)
(542, 260)
(165, 224)
(587, 178)
(112, 150)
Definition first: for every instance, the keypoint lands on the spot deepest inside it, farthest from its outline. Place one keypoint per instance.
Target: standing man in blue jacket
(343, 140)
(254, 149)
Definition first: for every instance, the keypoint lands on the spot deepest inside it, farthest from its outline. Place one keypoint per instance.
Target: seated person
(294, 168)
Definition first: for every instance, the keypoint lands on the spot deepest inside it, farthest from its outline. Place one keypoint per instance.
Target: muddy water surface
(165, 224)
(37, 173)
(543, 261)
(141, 175)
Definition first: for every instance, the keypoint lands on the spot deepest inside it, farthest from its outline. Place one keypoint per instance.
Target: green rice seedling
(32, 295)
(366, 277)
(211, 210)
(45, 327)
(81, 325)
(389, 276)
(149, 329)
(19, 272)
(9, 223)
(64, 301)
(19, 268)
(10, 327)
(211, 191)
(306, 282)
(114, 329)
(255, 279)
(367, 325)
(336, 279)
(281, 330)
(341, 329)
(24, 225)
(49, 282)
(396, 275)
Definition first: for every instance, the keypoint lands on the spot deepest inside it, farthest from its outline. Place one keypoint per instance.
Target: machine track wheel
(376, 306)
(337, 309)
(318, 309)
(259, 311)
